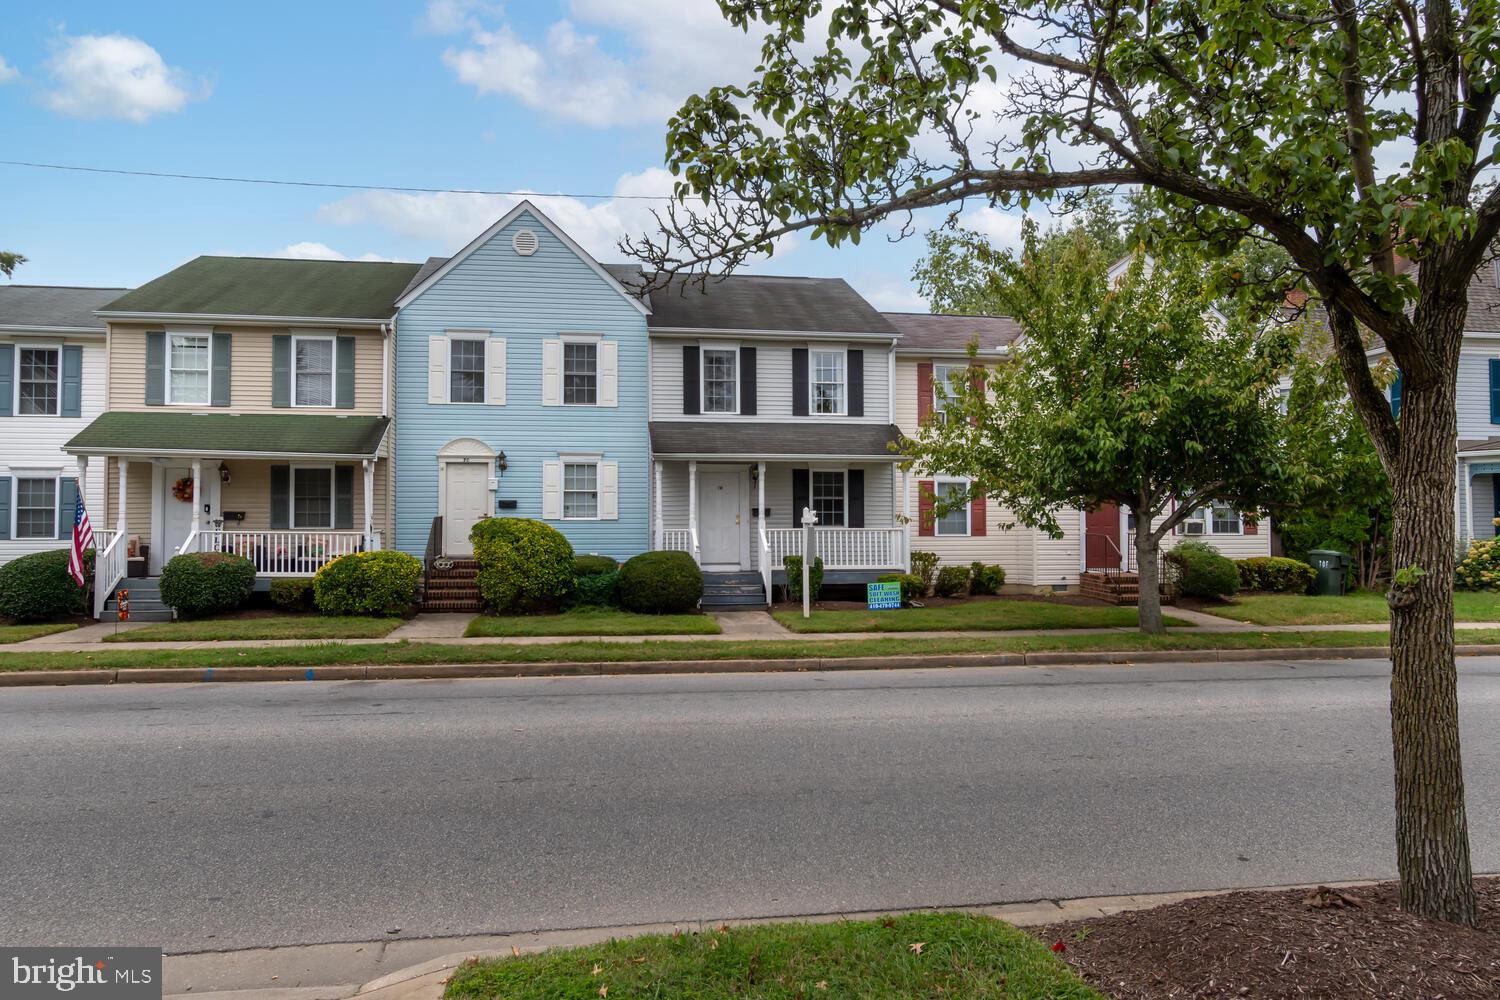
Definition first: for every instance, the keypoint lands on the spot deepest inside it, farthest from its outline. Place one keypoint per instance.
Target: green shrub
(1275, 574)
(793, 566)
(294, 594)
(593, 565)
(985, 579)
(37, 587)
(1201, 571)
(595, 589)
(911, 585)
(382, 583)
(924, 566)
(951, 581)
(206, 583)
(660, 583)
(524, 565)
(1480, 567)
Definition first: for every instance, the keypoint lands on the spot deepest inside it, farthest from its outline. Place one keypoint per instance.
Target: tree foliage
(9, 261)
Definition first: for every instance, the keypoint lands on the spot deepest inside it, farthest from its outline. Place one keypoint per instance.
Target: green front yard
(1363, 607)
(20, 633)
(997, 614)
(956, 956)
(592, 621)
(246, 629)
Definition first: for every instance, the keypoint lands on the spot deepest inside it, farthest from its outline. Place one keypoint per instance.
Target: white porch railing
(677, 540)
(286, 553)
(844, 548)
(764, 557)
(109, 566)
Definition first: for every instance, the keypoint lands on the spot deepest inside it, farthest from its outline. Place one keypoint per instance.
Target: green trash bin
(1333, 571)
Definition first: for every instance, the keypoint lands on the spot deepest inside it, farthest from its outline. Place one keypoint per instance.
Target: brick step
(453, 607)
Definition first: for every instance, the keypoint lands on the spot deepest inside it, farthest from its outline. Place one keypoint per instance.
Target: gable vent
(525, 242)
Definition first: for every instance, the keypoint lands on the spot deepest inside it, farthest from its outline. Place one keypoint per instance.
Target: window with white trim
(945, 382)
(466, 370)
(36, 508)
(580, 373)
(721, 380)
(38, 381)
(829, 491)
(312, 372)
(580, 491)
(829, 382)
(956, 520)
(312, 496)
(188, 368)
(1224, 519)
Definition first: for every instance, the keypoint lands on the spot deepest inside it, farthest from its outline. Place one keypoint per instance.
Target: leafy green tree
(9, 261)
(1245, 120)
(1128, 390)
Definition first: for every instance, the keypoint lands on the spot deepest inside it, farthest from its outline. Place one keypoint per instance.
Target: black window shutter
(281, 370)
(281, 497)
(747, 382)
(690, 402)
(856, 518)
(799, 382)
(856, 389)
(801, 492)
(343, 497)
(343, 379)
(156, 368)
(223, 351)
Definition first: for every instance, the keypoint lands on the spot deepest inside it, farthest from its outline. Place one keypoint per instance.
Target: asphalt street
(205, 817)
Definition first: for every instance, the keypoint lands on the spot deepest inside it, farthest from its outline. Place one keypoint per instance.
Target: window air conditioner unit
(1192, 527)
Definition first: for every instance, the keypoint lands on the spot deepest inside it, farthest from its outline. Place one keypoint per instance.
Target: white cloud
(310, 250)
(893, 297)
(116, 76)
(1002, 227)
(7, 71)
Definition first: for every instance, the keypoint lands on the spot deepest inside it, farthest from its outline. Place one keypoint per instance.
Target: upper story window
(36, 508)
(313, 372)
(188, 368)
(828, 497)
(580, 491)
(721, 380)
(945, 382)
(955, 521)
(312, 496)
(580, 372)
(829, 382)
(37, 378)
(466, 371)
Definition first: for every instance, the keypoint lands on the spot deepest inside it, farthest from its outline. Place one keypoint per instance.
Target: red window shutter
(1251, 524)
(977, 515)
(926, 522)
(976, 381)
(924, 391)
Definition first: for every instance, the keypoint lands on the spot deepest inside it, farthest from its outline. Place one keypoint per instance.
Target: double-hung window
(721, 374)
(1225, 520)
(37, 381)
(312, 496)
(36, 508)
(828, 497)
(188, 368)
(580, 373)
(829, 382)
(945, 381)
(466, 370)
(954, 521)
(580, 491)
(313, 371)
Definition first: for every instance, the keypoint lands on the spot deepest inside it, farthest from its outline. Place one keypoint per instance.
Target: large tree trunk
(1148, 571)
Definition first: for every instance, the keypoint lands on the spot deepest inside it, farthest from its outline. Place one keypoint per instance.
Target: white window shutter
(494, 371)
(551, 373)
(609, 491)
(552, 491)
(437, 369)
(609, 373)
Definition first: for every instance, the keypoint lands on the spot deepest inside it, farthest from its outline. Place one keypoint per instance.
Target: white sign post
(809, 518)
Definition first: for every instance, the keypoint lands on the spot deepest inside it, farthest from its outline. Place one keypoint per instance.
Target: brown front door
(1101, 538)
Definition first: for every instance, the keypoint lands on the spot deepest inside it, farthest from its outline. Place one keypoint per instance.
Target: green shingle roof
(273, 286)
(230, 433)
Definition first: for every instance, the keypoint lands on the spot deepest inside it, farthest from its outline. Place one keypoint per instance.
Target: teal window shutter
(343, 497)
(67, 500)
(343, 395)
(1495, 390)
(72, 380)
(156, 369)
(223, 347)
(7, 397)
(281, 497)
(1396, 391)
(4, 507)
(281, 371)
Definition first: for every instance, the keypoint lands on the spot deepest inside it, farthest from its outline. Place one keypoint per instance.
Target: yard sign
(883, 596)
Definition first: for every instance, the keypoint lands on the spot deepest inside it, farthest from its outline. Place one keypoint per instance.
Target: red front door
(1101, 538)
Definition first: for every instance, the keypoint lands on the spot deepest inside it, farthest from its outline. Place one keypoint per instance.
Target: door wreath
(183, 489)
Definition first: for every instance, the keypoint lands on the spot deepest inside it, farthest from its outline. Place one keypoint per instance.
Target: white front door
(176, 516)
(719, 517)
(466, 499)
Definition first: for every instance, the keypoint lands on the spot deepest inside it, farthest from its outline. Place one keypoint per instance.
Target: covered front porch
(1477, 503)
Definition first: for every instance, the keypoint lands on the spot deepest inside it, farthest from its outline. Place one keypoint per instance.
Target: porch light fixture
(223, 473)
(500, 462)
(754, 473)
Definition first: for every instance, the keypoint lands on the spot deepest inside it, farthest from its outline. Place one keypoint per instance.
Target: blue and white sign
(883, 596)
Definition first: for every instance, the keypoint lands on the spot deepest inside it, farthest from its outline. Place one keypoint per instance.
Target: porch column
(83, 479)
(369, 504)
(1468, 527)
(658, 534)
(1458, 510)
(760, 497)
(693, 505)
(122, 469)
(197, 503)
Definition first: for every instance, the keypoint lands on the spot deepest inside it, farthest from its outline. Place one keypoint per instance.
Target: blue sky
(545, 97)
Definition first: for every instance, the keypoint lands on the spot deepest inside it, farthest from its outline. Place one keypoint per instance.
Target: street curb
(592, 668)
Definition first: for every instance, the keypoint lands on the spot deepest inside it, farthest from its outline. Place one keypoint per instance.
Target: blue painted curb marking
(309, 673)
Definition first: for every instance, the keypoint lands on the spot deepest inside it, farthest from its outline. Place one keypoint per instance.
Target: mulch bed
(934, 601)
(1328, 944)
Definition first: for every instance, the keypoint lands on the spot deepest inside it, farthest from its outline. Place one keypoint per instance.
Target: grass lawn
(20, 633)
(331, 654)
(593, 621)
(951, 955)
(1363, 607)
(989, 615)
(244, 629)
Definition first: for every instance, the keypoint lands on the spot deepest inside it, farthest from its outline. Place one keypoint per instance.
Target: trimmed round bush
(597, 590)
(593, 565)
(1275, 574)
(985, 579)
(793, 567)
(924, 566)
(951, 581)
(912, 586)
(1480, 567)
(382, 583)
(524, 565)
(294, 594)
(206, 583)
(1201, 570)
(658, 583)
(38, 587)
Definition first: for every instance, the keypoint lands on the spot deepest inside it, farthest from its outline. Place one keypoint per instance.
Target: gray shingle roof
(1488, 444)
(231, 433)
(761, 302)
(950, 332)
(273, 286)
(54, 306)
(809, 438)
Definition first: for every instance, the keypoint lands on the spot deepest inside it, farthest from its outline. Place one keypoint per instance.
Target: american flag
(83, 537)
